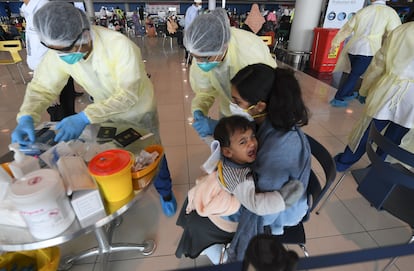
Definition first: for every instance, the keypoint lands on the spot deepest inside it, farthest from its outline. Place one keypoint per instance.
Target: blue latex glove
(24, 133)
(203, 125)
(71, 127)
(362, 99)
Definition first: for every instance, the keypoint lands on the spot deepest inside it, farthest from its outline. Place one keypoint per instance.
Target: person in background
(272, 18)
(14, 32)
(5, 35)
(174, 29)
(190, 14)
(35, 52)
(254, 21)
(368, 26)
(136, 22)
(388, 86)
(220, 52)
(119, 13)
(97, 58)
(269, 26)
(283, 30)
(103, 17)
(150, 27)
(141, 14)
(233, 20)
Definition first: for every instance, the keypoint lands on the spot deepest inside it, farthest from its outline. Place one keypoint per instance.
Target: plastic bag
(45, 259)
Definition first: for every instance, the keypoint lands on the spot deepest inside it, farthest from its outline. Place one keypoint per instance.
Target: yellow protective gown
(113, 74)
(368, 25)
(244, 48)
(389, 85)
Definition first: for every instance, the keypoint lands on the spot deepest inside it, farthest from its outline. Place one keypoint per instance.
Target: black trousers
(66, 106)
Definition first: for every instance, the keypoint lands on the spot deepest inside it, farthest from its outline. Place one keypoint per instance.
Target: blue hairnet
(60, 23)
(208, 34)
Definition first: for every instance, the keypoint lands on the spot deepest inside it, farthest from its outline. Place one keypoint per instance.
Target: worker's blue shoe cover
(338, 103)
(353, 96)
(340, 167)
(169, 207)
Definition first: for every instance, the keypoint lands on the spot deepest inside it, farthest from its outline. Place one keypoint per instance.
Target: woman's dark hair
(278, 88)
(228, 125)
(266, 253)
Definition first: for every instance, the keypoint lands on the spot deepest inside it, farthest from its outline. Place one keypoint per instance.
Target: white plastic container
(5, 181)
(41, 200)
(22, 164)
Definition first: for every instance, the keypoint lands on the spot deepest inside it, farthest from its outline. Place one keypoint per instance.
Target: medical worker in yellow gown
(366, 30)
(219, 51)
(107, 65)
(389, 90)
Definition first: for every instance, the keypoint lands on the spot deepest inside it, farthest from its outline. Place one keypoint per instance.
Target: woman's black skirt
(199, 233)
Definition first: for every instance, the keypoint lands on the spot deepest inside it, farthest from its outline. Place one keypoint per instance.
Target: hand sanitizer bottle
(22, 163)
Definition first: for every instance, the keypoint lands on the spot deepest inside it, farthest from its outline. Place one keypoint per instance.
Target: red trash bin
(321, 60)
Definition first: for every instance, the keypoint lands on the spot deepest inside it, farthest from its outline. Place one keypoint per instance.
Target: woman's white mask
(237, 110)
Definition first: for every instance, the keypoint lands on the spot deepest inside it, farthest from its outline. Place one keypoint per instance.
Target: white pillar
(211, 4)
(89, 10)
(306, 18)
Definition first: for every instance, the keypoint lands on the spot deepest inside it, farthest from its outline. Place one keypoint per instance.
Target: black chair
(316, 190)
(383, 177)
(388, 186)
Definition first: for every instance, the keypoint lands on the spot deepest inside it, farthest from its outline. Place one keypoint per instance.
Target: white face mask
(237, 110)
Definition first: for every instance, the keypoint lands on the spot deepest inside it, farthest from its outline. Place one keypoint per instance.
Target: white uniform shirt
(35, 50)
(190, 15)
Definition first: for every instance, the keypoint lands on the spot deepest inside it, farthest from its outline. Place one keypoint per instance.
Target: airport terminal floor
(346, 223)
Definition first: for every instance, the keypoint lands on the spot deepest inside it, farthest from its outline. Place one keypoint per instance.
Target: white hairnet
(60, 23)
(208, 34)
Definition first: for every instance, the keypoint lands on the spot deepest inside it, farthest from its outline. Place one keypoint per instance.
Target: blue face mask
(72, 58)
(208, 66)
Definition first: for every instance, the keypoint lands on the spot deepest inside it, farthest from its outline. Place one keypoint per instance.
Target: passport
(106, 132)
(127, 137)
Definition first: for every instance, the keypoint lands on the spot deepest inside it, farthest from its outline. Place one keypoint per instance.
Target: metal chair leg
(19, 68)
(166, 37)
(331, 192)
(223, 253)
(305, 251)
